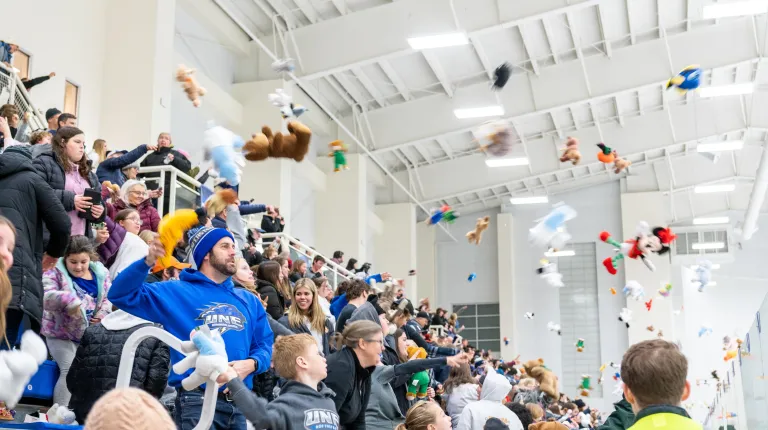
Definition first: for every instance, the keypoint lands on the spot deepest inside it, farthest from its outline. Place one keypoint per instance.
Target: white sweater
(460, 397)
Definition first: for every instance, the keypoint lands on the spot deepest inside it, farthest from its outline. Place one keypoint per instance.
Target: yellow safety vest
(666, 421)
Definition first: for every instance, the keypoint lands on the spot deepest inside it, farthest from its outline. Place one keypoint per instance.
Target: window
(21, 62)
(481, 324)
(71, 98)
(579, 318)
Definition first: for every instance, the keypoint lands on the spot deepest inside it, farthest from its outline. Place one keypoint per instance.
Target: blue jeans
(189, 406)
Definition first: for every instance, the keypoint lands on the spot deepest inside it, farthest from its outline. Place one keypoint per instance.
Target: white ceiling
(592, 69)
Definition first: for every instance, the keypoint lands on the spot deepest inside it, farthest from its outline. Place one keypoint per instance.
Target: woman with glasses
(133, 247)
(349, 371)
(133, 194)
(306, 316)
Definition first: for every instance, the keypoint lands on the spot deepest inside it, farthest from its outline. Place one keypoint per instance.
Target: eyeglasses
(137, 193)
(136, 220)
(379, 341)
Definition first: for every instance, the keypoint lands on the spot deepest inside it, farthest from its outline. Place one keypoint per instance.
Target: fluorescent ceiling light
(506, 162)
(711, 220)
(529, 200)
(725, 10)
(708, 245)
(702, 189)
(566, 253)
(727, 90)
(479, 112)
(438, 40)
(713, 267)
(730, 145)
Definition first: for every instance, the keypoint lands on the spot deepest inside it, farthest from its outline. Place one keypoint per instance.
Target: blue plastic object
(42, 383)
(472, 277)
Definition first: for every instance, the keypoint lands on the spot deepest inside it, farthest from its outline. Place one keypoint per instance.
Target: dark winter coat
(157, 158)
(275, 300)
(111, 168)
(621, 418)
(150, 218)
(352, 384)
(28, 202)
(270, 225)
(48, 167)
(108, 250)
(304, 329)
(97, 360)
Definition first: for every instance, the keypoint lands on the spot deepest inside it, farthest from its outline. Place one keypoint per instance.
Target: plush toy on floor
(571, 152)
(687, 80)
(703, 274)
(206, 353)
(293, 145)
(619, 164)
(606, 154)
(225, 150)
(337, 152)
(58, 414)
(475, 236)
(419, 382)
(546, 379)
(18, 366)
(189, 84)
(645, 241)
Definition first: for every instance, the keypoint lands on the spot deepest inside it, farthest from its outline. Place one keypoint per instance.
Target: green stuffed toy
(419, 382)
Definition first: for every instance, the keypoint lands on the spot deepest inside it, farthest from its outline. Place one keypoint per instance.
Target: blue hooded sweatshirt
(337, 305)
(193, 300)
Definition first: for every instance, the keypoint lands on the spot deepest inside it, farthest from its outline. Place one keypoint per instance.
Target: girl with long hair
(460, 390)
(306, 316)
(425, 416)
(98, 153)
(267, 285)
(298, 270)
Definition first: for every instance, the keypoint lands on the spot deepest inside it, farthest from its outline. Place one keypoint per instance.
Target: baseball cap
(423, 314)
(172, 262)
(50, 113)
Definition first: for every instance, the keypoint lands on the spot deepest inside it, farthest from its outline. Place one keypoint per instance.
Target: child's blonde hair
(285, 351)
(419, 417)
(38, 136)
(148, 236)
(536, 411)
(527, 383)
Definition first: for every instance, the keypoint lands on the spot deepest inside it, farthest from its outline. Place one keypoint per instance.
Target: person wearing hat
(52, 116)
(205, 295)
(113, 169)
(166, 272)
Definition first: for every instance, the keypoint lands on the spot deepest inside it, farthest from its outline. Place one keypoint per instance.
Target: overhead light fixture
(566, 253)
(529, 200)
(713, 267)
(741, 8)
(438, 40)
(506, 162)
(708, 245)
(727, 90)
(730, 145)
(703, 189)
(711, 220)
(479, 112)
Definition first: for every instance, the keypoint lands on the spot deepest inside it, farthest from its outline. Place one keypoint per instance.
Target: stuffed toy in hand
(18, 366)
(224, 148)
(206, 353)
(419, 382)
(337, 152)
(546, 379)
(571, 152)
(703, 274)
(171, 230)
(189, 84)
(476, 235)
(646, 241)
(266, 145)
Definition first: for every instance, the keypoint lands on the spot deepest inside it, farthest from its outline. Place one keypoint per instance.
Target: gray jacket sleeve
(255, 409)
(235, 225)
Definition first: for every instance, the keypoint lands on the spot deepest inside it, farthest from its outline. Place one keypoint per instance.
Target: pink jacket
(64, 308)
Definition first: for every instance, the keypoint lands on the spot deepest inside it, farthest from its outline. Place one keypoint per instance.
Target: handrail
(335, 268)
(176, 174)
(16, 87)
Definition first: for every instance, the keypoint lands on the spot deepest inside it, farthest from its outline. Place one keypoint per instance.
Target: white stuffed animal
(703, 274)
(552, 326)
(635, 290)
(58, 414)
(207, 353)
(625, 316)
(548, 272)
(18, 366)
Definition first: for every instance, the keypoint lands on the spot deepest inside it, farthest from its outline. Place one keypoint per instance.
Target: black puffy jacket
(275, 300)
(352, 384)
(51, 171)
(28, 201)
(97, 360)
(157, 158)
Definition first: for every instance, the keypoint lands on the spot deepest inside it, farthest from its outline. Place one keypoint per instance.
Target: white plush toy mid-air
(549, 232)
(551, 326)
(284, 101)
(529, 315)
(634, 290)
(224, 149)
(548, 272)
(703, 274)
(625, 316)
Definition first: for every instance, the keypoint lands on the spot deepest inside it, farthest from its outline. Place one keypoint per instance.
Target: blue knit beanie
(204, 240)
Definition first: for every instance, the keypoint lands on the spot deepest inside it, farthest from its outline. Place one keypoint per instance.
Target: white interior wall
(425, 262)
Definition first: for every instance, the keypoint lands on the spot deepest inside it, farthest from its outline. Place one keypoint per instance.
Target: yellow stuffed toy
(419, 382)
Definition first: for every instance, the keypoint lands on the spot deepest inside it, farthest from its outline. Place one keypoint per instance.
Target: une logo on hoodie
(321, 419)
(222, 317)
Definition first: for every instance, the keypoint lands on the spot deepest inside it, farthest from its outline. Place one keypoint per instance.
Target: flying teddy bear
(265, 145)
(419, 382)
(619, 164)
(189, 84)
(546, 379)
(571, 152)
(476, 235)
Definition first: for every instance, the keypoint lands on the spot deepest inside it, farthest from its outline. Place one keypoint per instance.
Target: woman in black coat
(64, 166)
(272, 222)
(267, 285)
(29, 202)
(94, 371)
(165, 155)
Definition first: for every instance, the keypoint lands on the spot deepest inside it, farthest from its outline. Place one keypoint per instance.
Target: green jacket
(621, 418)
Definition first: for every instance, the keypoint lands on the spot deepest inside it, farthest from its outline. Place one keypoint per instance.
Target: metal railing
(12, 88)
(335, 273)
(179, 181)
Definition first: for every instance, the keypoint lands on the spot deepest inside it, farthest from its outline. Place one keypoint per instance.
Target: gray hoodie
(299, 407)
(474, 415)
(366, 311)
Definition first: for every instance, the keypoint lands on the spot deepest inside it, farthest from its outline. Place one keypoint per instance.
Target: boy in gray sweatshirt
(304, 403)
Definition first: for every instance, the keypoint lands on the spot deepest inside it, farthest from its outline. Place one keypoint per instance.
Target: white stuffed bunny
(18, 366)
(207, 353)
(58, 414)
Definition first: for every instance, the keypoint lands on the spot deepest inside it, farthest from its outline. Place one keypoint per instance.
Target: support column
(507, 315)
(636, 207)
(138, 72)
(425, 263)
(395, 247)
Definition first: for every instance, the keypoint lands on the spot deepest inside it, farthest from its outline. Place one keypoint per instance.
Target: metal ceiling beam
(480, 51)
(353, 92)
(632, 37)
(396, 80)
(688, 14)
(370, 87)
(340, 5)
(305, 6)
(527, 46)
(619, 112)
(439, 72)
(445, 147)
(216, 20)
(601, 21)
(550, 39)
(284, 13)
(343, 94)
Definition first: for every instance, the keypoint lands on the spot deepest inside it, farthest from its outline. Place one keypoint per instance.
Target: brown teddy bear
(546, 378)
(571, 152)
(266, 145)
(476, 235)
(189, 84)
(620, 164)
